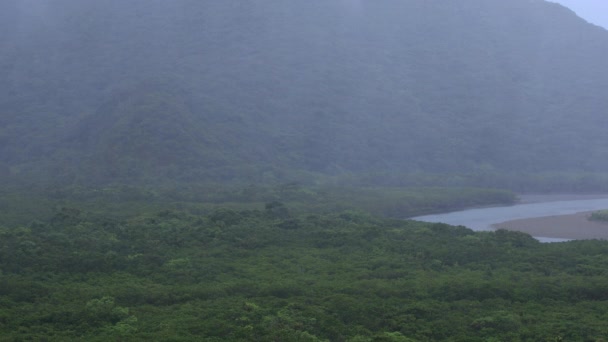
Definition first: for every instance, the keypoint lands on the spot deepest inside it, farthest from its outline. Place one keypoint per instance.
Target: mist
(593, 11)
(287, 88)
(281, 170)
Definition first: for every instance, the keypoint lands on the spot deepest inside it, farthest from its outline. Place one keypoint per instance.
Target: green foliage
(204, 197)
(25, 204)
(254, 275)
(600, 215)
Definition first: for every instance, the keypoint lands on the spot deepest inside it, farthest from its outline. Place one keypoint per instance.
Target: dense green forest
(20, 207)
(509, 93)
(198, 170)
(270, 275)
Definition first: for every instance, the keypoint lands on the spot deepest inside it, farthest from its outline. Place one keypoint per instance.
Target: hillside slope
(195, 90)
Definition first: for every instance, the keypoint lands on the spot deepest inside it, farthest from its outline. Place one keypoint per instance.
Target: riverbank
(572, 226)
(549, 218)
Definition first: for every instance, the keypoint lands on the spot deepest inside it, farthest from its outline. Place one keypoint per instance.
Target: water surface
(483, 218)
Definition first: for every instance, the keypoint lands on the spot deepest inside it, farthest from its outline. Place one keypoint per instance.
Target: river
(530, 206)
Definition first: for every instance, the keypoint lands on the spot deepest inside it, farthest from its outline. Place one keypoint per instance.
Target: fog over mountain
(594, 11)
(207, 90)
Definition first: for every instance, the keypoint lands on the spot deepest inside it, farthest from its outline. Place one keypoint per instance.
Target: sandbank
(574, 226)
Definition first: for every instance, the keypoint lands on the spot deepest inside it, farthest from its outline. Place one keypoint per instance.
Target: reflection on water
(484, 218)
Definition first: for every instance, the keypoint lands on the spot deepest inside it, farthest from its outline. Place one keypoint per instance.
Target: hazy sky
(594, 11)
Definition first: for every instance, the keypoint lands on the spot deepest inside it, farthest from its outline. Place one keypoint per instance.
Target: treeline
(271, 275)
(22, 204)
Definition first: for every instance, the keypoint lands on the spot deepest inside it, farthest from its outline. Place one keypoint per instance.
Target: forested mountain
(192, 170)
(140, 90)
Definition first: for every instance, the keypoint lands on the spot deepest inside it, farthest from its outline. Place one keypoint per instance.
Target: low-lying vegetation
(275, 275)
(600, 215)
(22, 205)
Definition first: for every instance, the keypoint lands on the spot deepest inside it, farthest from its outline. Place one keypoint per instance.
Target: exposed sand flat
(539, 198)
(574, 226)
